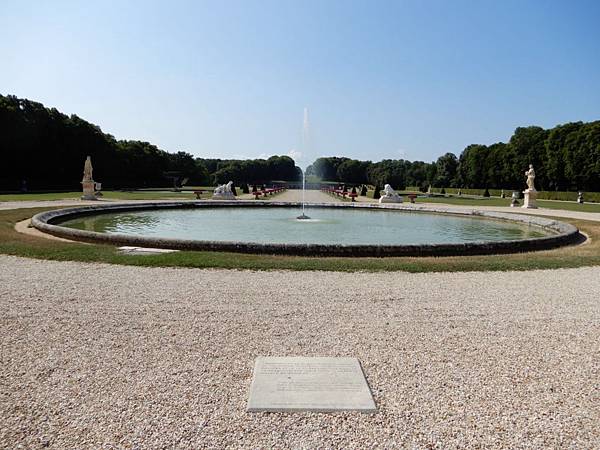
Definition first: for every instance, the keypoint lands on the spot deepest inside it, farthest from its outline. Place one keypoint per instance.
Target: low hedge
(593, 197)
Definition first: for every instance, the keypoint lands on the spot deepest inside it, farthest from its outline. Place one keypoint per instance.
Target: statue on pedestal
(530, 193)
(88, 184)
(224, 192)
(390, 195)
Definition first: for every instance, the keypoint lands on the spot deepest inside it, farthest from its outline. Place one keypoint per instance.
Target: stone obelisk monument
(88, 184)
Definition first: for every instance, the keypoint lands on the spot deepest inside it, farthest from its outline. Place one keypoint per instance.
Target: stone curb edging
(563, 233)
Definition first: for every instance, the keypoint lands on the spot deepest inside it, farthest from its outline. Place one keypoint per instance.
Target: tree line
(44, 149)
(565, 158)
(275, 168)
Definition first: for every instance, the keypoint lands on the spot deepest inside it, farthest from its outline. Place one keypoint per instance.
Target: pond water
(327, 226)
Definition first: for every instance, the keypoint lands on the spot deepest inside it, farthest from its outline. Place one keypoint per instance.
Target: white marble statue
(88, 185)
(530, 174)
(223, 188)
(389, 195)
(87, 169)
(224, 192)
(530, 194)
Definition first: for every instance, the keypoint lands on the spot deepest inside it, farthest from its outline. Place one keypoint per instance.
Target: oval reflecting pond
(327, 226)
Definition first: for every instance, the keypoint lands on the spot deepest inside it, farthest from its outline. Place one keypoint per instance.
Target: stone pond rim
(562, 233)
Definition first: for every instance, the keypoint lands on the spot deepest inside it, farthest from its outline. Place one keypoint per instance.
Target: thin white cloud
(402, 153)
(242, 156)
(295, 155)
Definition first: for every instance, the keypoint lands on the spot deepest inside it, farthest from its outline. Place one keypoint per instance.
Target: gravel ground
(68, 203)
(294, 195)
(102, 356)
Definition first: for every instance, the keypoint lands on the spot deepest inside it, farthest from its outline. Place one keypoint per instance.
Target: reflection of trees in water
(331, 226)
(473, 229)
(124, 223)
(88, 224)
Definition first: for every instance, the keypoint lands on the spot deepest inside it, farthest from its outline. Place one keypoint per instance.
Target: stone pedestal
(89, 190)
(391, 199)
(223, 196)
(530, 199)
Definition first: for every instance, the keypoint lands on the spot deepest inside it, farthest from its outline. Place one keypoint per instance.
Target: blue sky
(400, 79)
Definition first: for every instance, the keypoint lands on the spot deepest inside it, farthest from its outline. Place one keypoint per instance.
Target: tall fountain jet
(305, 147)
(305, 130)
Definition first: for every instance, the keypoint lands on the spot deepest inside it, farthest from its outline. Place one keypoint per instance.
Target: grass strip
(19, 244)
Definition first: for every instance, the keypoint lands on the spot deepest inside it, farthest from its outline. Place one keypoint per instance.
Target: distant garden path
(295, 195)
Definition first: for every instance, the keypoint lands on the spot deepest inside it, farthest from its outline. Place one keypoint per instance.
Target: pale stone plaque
(144, 250)
(309, 384)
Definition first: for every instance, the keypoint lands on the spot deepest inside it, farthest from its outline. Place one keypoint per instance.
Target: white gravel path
(73, 202)
(294, 195)
(103, 356)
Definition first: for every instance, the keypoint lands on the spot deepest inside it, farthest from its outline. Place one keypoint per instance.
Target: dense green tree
(388, 171)
(417, 174)
(494, 165)
(471, 166)
(251, 171)
(283, 167)
(446, 169)
(353, 171)
(583, 162)
(526, 146)
(561, 146)
(326, 167)
(232, 172)
(46, 149)
(565, 157)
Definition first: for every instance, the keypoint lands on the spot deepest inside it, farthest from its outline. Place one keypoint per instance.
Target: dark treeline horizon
(565, 158)
(44, 149)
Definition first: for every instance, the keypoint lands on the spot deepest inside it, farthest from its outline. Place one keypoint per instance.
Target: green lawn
(142, 194)
(158, 195)
(496, 201)
(14, 243)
